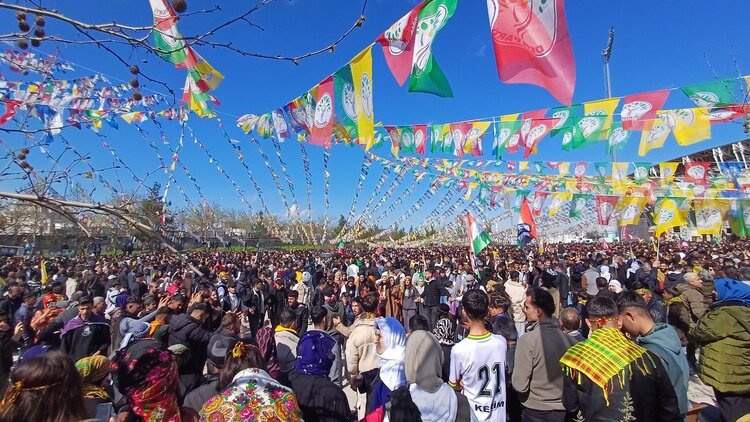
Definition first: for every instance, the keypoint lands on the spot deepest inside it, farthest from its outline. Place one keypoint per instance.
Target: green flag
(426, 75)
(571, 137)
(346, 108)
(436, 138)
(711, 94)
(618, 138)
(640, 172)
(578, 204)
(407, 139)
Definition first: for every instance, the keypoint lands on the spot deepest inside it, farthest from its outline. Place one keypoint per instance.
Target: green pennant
(346, 109)
(407, 139)
(426, 75)
(711, 94)
(578, 204)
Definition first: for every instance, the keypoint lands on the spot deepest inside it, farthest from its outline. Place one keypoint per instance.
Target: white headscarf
(616, 286)
(392, 359)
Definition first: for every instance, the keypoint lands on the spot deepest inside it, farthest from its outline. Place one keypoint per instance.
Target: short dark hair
(294, 294)
(542, 299)
(357, 300)
(287, 317)
(601, 307)
(601, 282)
(370, 303)
(199, 307)
(498, 301)
(318, 314)
(630, 299)
(475, 303)
(86, 300)
(418, 322)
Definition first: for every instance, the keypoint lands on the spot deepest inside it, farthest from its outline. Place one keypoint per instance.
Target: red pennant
(605, 206)
(640, 108)
(324, 117)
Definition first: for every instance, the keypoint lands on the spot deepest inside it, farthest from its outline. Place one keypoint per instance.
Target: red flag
(322, 129)
(398, 44)
(420, 137)
(727, 114)
(696, 172)
(526, 219)
(459, 131)
(539, 129)
(528, 120)
(536, 208)
(605, 206)
(532, 45)
(640, 108)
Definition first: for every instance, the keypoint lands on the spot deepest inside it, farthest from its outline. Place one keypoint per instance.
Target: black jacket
(198, 397)
(319, 398)
(432, 292)
(645, 396)
(86, 340)
(302, 318)
(183, 329)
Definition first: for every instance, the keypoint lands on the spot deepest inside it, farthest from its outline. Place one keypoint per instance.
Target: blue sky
(658, 45)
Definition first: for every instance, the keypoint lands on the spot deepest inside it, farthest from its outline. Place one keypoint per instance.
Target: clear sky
(658, 45)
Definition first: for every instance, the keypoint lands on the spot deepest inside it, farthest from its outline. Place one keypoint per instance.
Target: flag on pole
(478, 240)
(532, 45)
(526, 226)
(43, 268)
(340, 245)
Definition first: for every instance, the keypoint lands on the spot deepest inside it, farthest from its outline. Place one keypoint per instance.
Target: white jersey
(478, 365)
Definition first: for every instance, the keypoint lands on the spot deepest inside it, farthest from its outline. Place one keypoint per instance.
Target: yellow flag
(563, 169)
(604, 107)
(667, 215)
(523, 165)
(571, 186)
(474, 137)
(631, 207)
(43, 267)
(557, 201)
(207, 74)
(709, 215)
(689, 125)
(361, 67)
(654, 135)
(667, 171)
(619, 173)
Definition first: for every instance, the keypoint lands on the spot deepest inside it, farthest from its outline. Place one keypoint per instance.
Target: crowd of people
(620, 332)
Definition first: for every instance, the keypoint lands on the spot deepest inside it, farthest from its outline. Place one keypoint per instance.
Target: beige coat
(693, 299)
(361, 347)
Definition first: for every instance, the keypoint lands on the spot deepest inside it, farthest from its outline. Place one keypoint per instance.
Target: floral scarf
(93, 370)
(146, 372)
(252, 396)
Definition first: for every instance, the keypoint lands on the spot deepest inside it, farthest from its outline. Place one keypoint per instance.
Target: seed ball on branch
(39, 32)
(134, 83)
(21, 16)
(36, 42)
(137, 96)
(23, 26)
(40, 21)
(134, 70)
(179, 6)
(24, 165)
(25, 150)
(21, 156)
(22, 44)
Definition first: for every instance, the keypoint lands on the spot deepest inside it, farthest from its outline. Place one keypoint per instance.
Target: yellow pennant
(361, 67)
(563, 169)
(667, 215)
(667, 172)
(604, 107)
(631, 208)
(709, 215)
(654, 135)
(523, 165)
(689, 125)
(474, 136)
(558, 200)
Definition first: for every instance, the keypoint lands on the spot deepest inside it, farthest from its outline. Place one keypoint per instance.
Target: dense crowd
(621, 332)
